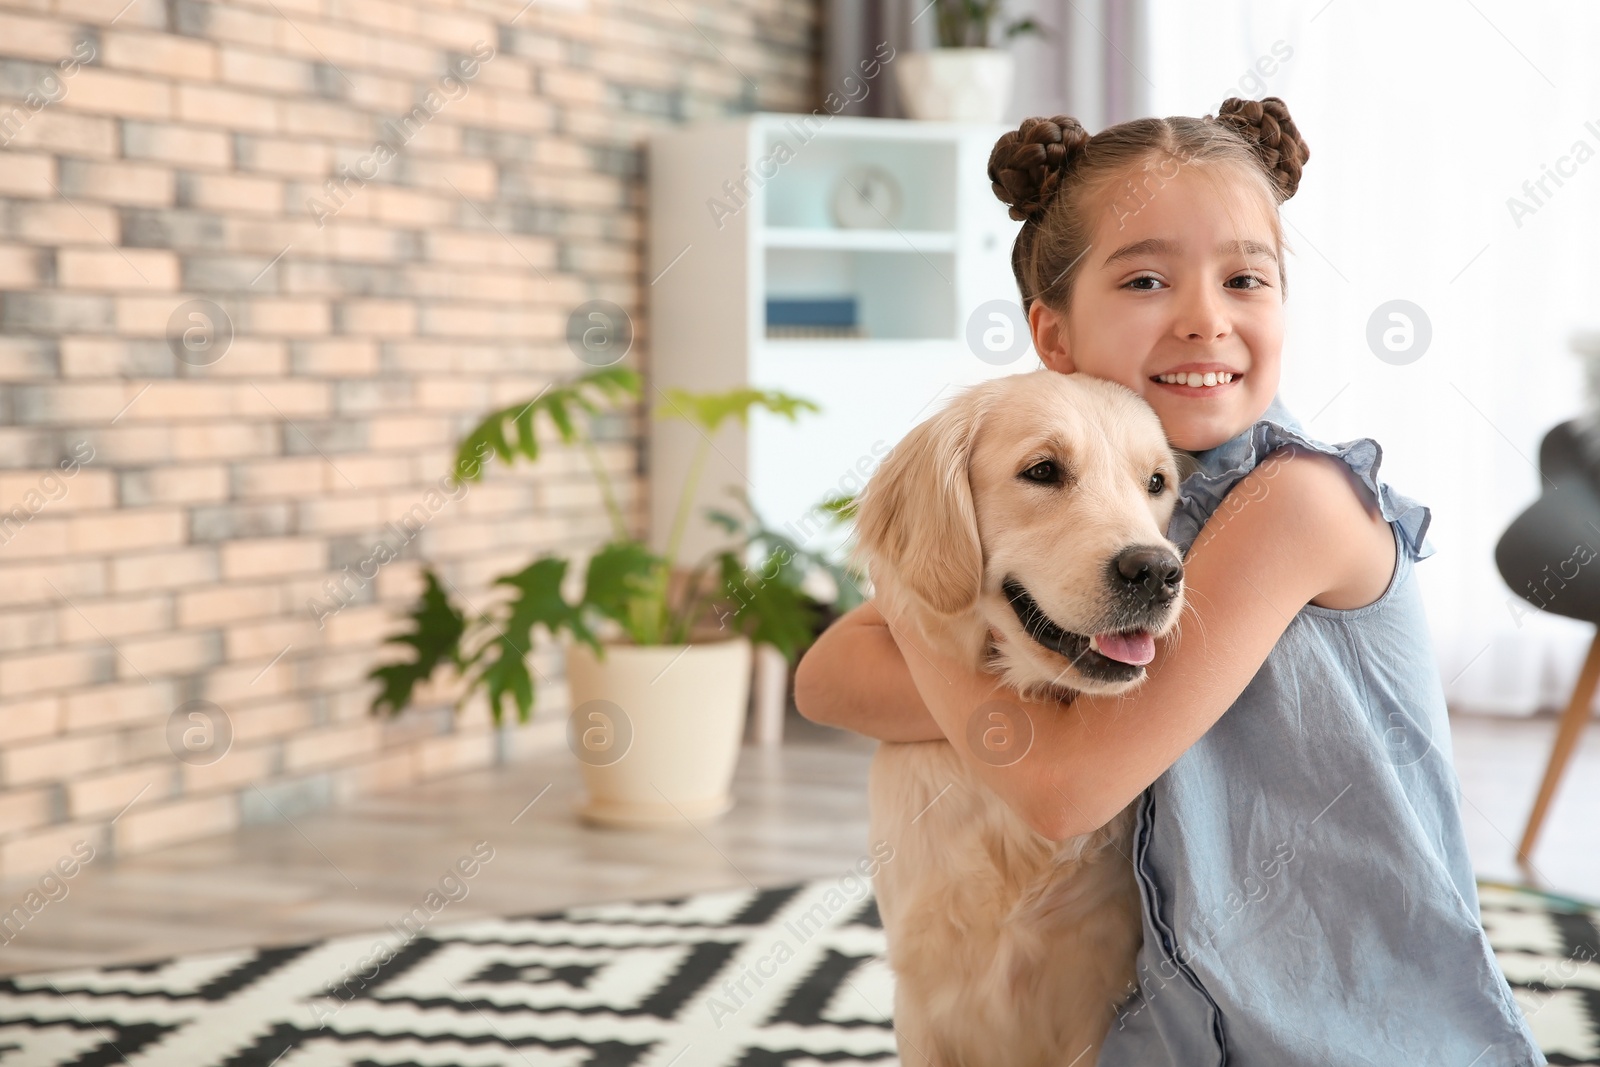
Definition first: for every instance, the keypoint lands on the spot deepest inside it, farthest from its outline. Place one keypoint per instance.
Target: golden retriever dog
(1021, 529)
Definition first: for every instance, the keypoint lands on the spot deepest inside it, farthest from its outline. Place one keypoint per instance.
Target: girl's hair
(1055, 178)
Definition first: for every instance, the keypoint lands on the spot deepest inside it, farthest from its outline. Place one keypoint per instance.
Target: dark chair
(1550, 556)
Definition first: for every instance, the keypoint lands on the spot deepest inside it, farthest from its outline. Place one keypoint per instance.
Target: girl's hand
(855, 678)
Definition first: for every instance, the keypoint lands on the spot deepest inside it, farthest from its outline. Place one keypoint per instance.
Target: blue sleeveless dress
(1307, 893)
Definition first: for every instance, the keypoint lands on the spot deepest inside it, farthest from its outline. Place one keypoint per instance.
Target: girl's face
(1187, 281)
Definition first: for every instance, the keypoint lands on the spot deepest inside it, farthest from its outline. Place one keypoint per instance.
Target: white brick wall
(176, 563)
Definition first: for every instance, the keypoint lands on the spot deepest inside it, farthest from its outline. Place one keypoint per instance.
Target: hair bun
(1266, 126)
(1028, 164)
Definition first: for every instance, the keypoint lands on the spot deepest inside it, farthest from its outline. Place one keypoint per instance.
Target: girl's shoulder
(1212, 474)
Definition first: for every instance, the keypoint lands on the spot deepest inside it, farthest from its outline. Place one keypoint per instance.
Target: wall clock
(867, 197)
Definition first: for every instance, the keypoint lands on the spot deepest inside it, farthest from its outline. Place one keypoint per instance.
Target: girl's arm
(855, 677)
(1302, 534)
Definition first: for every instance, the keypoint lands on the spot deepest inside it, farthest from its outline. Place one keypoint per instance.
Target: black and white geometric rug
(1548, 947)
(786, 977)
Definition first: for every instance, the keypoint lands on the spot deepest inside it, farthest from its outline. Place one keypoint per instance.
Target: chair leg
(1573, 720)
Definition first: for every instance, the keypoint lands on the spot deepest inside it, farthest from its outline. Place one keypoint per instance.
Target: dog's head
(1034, 505)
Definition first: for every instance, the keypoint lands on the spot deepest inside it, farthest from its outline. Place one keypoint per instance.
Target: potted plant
(658, 657)
(965, 79)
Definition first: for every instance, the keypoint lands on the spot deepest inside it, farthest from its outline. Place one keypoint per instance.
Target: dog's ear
(916, 513)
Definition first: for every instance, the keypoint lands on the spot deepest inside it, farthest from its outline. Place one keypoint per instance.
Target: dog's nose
(1149, 572)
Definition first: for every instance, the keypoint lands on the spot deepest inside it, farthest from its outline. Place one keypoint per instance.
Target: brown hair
(1055, 177)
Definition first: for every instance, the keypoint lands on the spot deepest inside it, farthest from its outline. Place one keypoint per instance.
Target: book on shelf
(811, 311)
(796, 332)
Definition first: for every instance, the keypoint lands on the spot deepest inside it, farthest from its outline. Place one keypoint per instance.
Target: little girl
(1306, 888)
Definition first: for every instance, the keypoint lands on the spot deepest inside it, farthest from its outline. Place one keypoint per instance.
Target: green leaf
(710, 410)
(539, 598)
(563, 420)
(1023, 27)
(506, 676)
(841, 508)
(607, 385)
(763, 605)
(527, 436)
(967, 23)
(785, 561)
(538, 601)
(435, 640)
(730, 523)
(625, 582)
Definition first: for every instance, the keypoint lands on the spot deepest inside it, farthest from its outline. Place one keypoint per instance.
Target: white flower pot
(956, 84)
(657, 730)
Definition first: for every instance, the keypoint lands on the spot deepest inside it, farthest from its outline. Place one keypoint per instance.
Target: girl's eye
(1045, 472)
(1257, 281)
(1158, 483)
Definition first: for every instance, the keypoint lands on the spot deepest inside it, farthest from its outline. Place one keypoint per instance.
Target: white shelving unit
(715, 259)
(898, 241)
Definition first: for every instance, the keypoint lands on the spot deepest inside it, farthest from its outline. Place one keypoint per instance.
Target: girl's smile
(1199, 381)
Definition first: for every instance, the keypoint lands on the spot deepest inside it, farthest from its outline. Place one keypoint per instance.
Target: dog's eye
(1158, 482)
(1044, 471)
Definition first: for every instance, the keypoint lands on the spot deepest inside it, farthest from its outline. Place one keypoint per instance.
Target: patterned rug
(1547, 946)
(786, 977)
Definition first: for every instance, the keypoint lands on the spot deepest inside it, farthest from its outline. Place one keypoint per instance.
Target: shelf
(801, 191)
(863, 346)
(901, 293)
(859, 240)
(776, 187)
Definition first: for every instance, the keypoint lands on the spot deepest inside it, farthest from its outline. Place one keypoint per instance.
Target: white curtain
(1424, 120)
(1089, 63)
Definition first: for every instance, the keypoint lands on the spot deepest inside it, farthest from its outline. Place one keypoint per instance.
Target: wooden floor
(801, 813)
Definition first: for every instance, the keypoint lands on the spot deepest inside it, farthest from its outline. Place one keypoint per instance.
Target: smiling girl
(1306, 889)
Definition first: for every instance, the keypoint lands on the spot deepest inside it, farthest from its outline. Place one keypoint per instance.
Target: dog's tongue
(1136, 648)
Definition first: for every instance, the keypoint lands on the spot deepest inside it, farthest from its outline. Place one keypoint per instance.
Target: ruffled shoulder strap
(1215, 471)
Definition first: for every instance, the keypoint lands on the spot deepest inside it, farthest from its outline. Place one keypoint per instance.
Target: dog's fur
(1009, 948)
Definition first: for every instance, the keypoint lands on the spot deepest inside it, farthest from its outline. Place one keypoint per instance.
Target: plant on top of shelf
(628, 589)
(966, 78)
(970, 23)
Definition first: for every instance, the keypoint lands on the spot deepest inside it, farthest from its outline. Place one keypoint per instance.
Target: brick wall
(175, 503)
